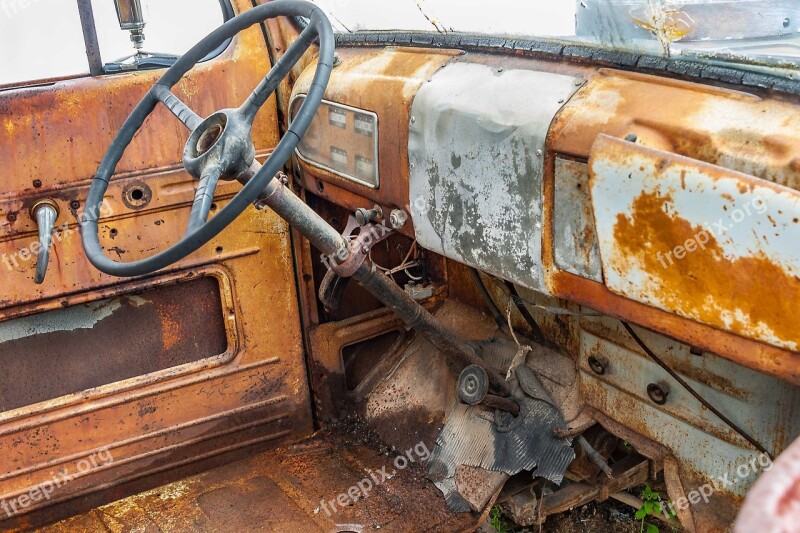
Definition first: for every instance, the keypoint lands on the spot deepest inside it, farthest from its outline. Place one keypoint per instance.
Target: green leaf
(649, 507)
(651, 528)
(655, 495)
(646, 493)
(641, 513)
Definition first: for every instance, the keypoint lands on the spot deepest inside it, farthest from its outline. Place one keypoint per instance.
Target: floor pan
(336, 481)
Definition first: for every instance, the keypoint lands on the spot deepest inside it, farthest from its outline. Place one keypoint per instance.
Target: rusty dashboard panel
(753, 134)
(476, 150)
(342, 140)
(380, 82)
(707, 243)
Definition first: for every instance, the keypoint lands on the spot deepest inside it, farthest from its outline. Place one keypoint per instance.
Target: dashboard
(496, 162)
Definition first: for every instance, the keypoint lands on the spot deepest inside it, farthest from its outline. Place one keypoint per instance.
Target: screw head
(37, 183)
(11, 217)
(75, 204)
(658, 393)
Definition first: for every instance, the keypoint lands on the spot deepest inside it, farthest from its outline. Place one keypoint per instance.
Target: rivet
(538, 153)
(413, 119)
(786, 22)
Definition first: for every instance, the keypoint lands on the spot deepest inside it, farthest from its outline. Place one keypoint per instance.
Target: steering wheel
(220, 146)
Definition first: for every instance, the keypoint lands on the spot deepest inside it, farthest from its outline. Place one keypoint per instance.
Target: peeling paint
(698, 240)
(477, 165)
(70, 319)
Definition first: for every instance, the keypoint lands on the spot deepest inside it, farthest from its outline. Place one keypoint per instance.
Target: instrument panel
(342, 140)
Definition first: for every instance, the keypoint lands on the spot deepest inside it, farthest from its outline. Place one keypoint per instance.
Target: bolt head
(398, 218)
(597, 366)
(658, 393)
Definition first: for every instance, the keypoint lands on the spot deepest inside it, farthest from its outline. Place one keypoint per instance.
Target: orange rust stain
(171, 330)
(407, 64)
(705, 283)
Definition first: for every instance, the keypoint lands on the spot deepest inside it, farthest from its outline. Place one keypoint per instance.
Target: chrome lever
(45, 212)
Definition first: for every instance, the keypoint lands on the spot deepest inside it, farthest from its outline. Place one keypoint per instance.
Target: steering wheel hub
(222, 141)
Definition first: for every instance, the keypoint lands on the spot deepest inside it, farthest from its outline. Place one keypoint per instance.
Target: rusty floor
(283, 490)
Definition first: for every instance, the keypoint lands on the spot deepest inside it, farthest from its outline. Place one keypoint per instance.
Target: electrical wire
(693, 392)
(538, 334)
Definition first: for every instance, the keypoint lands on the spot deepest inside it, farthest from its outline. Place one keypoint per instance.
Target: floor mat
(335, 481)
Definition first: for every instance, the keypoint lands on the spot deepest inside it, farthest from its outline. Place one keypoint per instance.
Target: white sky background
(542, 18)
(42, 38)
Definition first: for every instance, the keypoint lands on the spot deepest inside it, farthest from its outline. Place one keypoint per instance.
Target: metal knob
(45, 213)
(365, 216)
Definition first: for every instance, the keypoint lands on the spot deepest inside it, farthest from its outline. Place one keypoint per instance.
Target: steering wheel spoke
(183, 113)
(203, 198)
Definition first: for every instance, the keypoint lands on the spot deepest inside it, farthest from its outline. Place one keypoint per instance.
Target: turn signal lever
(45, 213)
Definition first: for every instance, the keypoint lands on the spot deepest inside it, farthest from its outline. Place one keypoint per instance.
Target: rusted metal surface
(574, 233)
(738, 131)
(603, 443)
(67, 351)
(735, 130)
(253, 392)
(383, 81)
(706, 243)
(693, 444)
(343, 480)
(773, 506)
(626, 473)
(467, 207)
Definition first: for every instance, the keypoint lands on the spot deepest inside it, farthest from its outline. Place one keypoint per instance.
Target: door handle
(45, 212)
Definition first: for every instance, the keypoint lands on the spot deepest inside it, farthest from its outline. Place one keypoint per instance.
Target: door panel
(230, 373)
